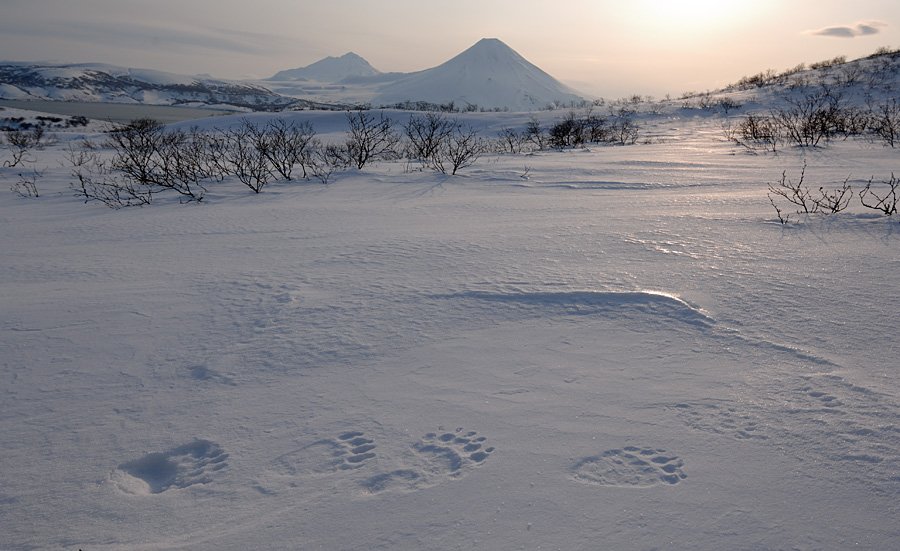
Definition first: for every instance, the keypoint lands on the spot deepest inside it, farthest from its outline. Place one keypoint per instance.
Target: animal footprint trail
(721, 419)
(433, 459)
(630, 467)
(450, 452)
(347, 451)
(181, 467)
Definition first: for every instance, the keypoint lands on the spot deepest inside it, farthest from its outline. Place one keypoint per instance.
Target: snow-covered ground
(613, 348)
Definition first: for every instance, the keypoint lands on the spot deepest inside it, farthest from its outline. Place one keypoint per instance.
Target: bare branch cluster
(816, 118)
(800, 197)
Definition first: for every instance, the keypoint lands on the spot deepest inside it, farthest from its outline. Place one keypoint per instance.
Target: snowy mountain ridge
(97, 82)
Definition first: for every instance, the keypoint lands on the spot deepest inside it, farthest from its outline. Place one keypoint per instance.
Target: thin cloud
(862, 28)
(141, 35)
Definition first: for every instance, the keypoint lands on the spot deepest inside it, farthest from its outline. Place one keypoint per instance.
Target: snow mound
(490, 74)
(595, 302)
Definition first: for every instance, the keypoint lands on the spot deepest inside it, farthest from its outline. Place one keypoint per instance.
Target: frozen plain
(611, 348)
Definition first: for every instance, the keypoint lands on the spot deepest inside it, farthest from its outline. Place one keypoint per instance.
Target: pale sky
(607, 48)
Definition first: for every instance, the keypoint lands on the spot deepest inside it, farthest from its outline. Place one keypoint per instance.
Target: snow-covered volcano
(489, 74)
(330, 69)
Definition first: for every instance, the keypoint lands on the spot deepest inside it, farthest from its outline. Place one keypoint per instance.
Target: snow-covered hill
(489, 74)
(107, 83)
(331, 69)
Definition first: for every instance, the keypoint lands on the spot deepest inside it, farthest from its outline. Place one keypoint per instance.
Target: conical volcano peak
(490, 48)
(489, 74)
(491, 43)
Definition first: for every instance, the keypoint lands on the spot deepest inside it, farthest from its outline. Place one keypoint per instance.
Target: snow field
(622, 349)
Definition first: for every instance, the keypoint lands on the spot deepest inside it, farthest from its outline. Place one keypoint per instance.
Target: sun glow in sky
(606, 48)
(693, 15)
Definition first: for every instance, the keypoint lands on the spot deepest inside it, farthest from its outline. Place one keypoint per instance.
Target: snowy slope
(330, 69)
(489, 74)
(107, 83)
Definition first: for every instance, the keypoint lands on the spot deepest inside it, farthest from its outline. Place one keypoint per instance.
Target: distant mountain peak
(488, 74)
(331, 69)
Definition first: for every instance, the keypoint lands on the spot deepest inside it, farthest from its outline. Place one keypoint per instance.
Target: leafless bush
(851, 121)
(369, 138)
(246, 158)
(535, 134)
(758, 131)
(19, 143)
(284, 144)
(596, 128)
(623, 130)
(829, 63)
(795, 193)
(95, 180)
(810, 119)
(804, 200)
(26, 185)
(461, 149)
(78, 155)
(849, 74)
(569, 132)
(511, 140)
(727, 105)
(885, 121)
(157, 159)
(885, 202)
(325, 161)
(832, 201)
(706, 101)
(426, 135)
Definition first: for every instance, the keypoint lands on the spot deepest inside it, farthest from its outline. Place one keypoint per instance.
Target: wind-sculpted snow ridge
(657, 303)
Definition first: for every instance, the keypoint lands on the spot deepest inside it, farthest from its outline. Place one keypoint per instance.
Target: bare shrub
(426, 135)
(370, 138)
(95, 180)
(26, 185)
(795, 193)
(460, 150)
(804, 200)
(325, 161)
(885, 121)
(246, 158)
(623, 130)
(535, 134)
(19, 143)
(595, 128)
(832, 201)
(886, 201)
(810, 119)
(829, 63)
(727, 105)
(149, 155)
(758, 131)
(284, 144)
(569, 132)
(510, 140)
